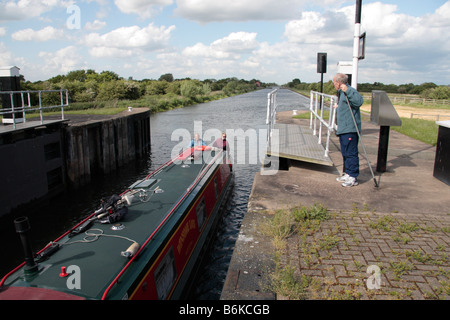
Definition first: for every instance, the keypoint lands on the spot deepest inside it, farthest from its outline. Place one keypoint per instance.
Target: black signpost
(321, 68)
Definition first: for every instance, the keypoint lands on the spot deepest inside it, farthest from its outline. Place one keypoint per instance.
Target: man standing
(346, 131)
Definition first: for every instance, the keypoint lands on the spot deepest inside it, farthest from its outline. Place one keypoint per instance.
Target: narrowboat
(143, 244)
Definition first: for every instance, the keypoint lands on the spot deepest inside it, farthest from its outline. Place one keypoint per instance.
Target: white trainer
(350, 182)
(343, 178)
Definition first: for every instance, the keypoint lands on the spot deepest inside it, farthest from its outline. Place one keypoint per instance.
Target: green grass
(419, 129)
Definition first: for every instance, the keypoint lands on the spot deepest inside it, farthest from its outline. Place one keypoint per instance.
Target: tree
(111, 90)
(295, 82)
(132, 90)
(230, 88)
(174, 88)
(106, 76)
(190, 88)
(77, 75)
(441, 92)
(206, 89)
(156, 88)
(166, 77)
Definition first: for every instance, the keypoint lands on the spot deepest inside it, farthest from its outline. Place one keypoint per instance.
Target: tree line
(427, 90)
(89, 89)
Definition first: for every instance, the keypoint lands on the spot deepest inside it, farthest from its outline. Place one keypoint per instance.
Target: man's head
(339, 78)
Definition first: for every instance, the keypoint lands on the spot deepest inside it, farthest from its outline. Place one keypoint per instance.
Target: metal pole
(356, 36)
(40, 107)
(12, 108)
(321, 88)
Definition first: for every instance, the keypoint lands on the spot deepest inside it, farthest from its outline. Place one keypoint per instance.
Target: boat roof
(97, 252)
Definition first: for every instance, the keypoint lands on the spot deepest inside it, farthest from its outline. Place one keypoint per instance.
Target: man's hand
(343, 87)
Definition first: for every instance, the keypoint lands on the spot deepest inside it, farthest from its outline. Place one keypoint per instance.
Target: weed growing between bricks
(321, 254)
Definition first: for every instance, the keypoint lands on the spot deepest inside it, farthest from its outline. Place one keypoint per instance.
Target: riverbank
(402, 228)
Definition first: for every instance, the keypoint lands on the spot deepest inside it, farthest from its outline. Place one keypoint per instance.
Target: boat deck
(297, 142)
(99, 257)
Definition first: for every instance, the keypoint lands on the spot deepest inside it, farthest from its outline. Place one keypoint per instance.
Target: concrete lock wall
(39, 162)
(104, 146)
(30, 169)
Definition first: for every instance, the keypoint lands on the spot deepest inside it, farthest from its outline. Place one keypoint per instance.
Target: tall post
(321, 68)
(356, 37)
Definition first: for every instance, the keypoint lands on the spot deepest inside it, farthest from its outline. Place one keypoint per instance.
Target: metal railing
(318, 103)
(26, 104)
(271, 114)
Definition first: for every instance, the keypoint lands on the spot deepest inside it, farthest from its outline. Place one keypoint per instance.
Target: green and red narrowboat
(142, 244)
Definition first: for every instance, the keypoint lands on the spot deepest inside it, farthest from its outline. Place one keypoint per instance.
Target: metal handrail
(317, 105)
(64, 96)
(271, 113)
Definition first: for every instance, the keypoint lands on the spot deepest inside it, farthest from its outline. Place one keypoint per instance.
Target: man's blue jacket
(344, 118)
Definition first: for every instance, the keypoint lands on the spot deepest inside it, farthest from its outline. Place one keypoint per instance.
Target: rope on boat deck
(92, 237)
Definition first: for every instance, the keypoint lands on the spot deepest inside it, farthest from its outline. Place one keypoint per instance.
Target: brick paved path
(411, 253)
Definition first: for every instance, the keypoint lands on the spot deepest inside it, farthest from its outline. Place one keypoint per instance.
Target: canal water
(239, 115)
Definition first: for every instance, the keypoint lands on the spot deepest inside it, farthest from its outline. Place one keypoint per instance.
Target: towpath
(400, 231)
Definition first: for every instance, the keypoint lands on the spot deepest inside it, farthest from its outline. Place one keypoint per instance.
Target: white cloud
(441, 16)
(406, 39)
(240, 54)
(205, 11)
(5, 55)
(45, 34)
(61, 61)
(120, 41)
(236, 42)
(331, 26)
(306, 28)
(25, 9)
(143, 8)
(229, 47)
(95, 25)
(107, 52)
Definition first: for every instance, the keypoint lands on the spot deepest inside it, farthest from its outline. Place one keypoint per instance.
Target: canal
(243, 114)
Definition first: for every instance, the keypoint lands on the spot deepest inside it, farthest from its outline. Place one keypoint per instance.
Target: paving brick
(342, 268)
(413, 278)
(425, 288)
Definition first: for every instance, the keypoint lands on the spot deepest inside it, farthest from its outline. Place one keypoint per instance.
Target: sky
(407, 41)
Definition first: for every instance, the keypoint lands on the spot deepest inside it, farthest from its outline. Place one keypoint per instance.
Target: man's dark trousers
(349, 150)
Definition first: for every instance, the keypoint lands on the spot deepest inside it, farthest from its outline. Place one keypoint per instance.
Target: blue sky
(273, 41)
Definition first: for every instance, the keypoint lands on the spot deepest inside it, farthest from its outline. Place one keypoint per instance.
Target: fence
(25, 106)
(413, 100)
(425, 116)
(319, 102)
